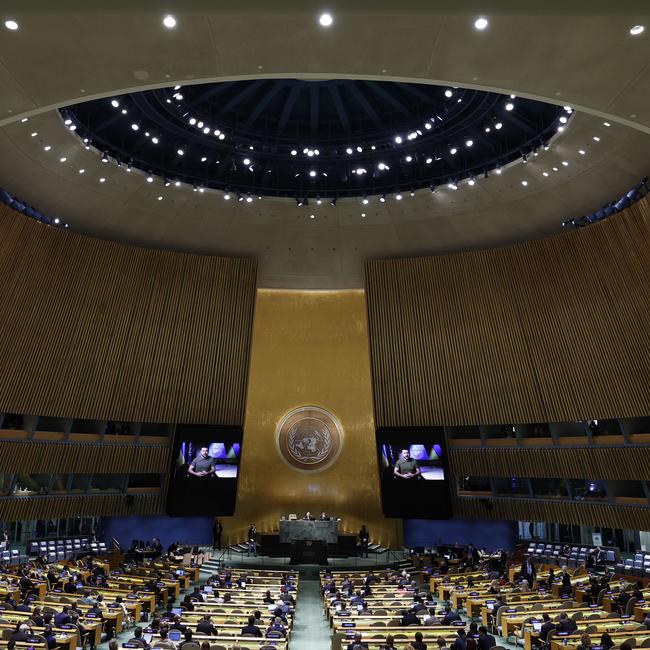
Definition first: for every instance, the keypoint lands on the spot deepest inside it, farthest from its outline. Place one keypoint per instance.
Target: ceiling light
(560, 129)
(192, 121)
(47, 147)
(582, 152)
(124, 111)
(24, 119)
(563, 119)
(333, 202)
(316, 152)
(487, 129)
(134, 126)
(382, 198)
(360, 170)
(201, 189)
(180, 152)
(544, 173)
(311, 216)
(310, 153)
(481, 23)
(359, 149)
(34, 134)
(471, 181)
(524, 183)
(452, 186)
(319, 201)
(169, 21)
(398, 197)
(596, 138)
(81, 171)
(398, 139)
(409, 158)
(635, 31)
(57, 220)
(104, 157)
(448, 93)
(62, 159)
(469, 143)
(565, 163)
(453, 151)
(293, 152)
(509, 106)
(427, 125)
(12, 25)
(546, 146)
(555, 169)
(249, 199)
(166, 182)
(363, 214)
(568, 109)
(349, 150)
(428, 161)
(382, 166)
(606, 124)
(177, 183)
(226, 197)
(312, 172)
(150, 179)
(498, 125)
(364, 201)
(114, 103)
(160, 198)
(247, 161)
(326, 20)
(497, 170)
(73, 127)
(102, 180)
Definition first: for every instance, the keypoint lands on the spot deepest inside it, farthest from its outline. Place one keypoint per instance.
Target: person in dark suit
(485, 641)
(205, 626)
(547, 626)
(21, 632)
(451, 616)
(566, 624)
(528, 572)
(252, 540)
(461, 640)
(62, 618)
(409, 618)
(364, 540)
(418, 644)
(357, 644)
(138, 639)
(217, 529)
(251, 629)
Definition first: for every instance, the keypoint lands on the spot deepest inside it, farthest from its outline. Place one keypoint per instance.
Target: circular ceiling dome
(315, 139)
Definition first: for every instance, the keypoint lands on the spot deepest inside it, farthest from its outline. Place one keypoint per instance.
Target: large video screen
(413, 473)
(204, 472)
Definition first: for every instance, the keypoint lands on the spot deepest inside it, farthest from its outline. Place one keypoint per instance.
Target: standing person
(217, 529)
(364, 539)
(252, 540)
(407, 467)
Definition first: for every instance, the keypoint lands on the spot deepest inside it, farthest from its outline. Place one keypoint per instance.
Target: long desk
(300, 530)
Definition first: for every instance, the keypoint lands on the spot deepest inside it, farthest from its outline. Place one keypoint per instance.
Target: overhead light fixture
(481, 23)
(312, 172)
(247, 161)
(102, 180)
(82, 171)
(563, 119)
(333, 202)
(226, 197)
(596, 138)
(498, 171)
(180, 152)
(398, 139)
(428, 161)
(545, 174)
(382, 198)
(166, 182)
(169, 21)
(398, 197)
(498, 126)
(114, 103)
(453, 151)
(134, 126)
(565, 163)
(154, 140)
(364, 200)
(469, 143)
(471, 182)
(249, 199)
(177, 183)
(524, 183)
(11, 25)
(634, 31)
(509, 106)
(300, 202)
(326, 20)
(449, 93)
(359, 149)
(47, 147)
(104, 157)
(150, 179)
(582, 152)
(62, 159)
(409, 158)
(606, 124)
(57, 221)
(349, 150)
(160, 198)
(452, 186)
(293, 152)
(204, 159)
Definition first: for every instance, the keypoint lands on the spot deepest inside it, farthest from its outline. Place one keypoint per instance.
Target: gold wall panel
(310, 349)
(560, 511)
(547, 331)
(82, 457)
(46, 507)
(98, 330)
(623, 463)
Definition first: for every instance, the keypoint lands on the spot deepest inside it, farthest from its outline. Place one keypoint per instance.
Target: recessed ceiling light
(544, 173)
(47, 147)
(509, 106)
(203, 159)
(563, 119)
(565, 163)
(57, 220)
(134, 126)
(635, 31)
(481, 23)
(149, 179)
(154, 140)
(363, 214)
(409, 158)
(606, 124)
(498, 170)
(114, 103)
(364, 201)
(555, 169)
(311, 216)
(124, 111)
(177, 183)
(428, 161)
(326, 20)
(160, 198)
(596, 138)
(469, 143)
(398, 197)
(312, 172)
(471, 181)
(102, 180)
(24, 119)
(582, 152)
(560, 129)
(524, 183)
(498, 126)
(398, 139)
(453, 151)
(81, 171)
(448, 92)
(226, 197)
(247, 161)
(62, 159)
(180, 152)
(169, 21)
(11, 25)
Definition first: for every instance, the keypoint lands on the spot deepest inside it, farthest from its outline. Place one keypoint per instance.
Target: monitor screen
(205, 469)
(177, 611)
(537, 626)
(413, 472)
(174, 635)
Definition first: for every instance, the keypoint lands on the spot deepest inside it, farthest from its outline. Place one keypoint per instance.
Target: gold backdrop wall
(310, 349)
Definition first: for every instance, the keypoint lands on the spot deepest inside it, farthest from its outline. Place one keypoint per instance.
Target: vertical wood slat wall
(99, 330)
(551, 330)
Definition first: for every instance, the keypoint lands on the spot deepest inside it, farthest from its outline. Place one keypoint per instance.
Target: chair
(378, 624)
(629, 608)
(646, 643)
(631, 641)
(218, 647)
(6, 634)
(591, 629)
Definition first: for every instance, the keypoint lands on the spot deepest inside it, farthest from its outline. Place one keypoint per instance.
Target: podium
(298, 530)
(309, 552)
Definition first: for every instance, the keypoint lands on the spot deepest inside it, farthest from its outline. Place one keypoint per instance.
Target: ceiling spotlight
(498, 171)
(428, 161)
(382, 198)
(319, 201)
(177, 183)
(312, 172)
(582, 152)
(364, 200)
(150, 179)
(606, 124)
(409, 158)
(596, 138)
(398, 139)
(124, 111)
(73, 127)
(104, 157)
(524, 158)
(524, 183)
(226, 197)
(300, 203)
(382, 166)
(247, 161)
(47, 147)
(487, 129)
(57, 220)
(565, 163)
(635, 31)
(160, 198)
(481, 23)
(398, 197)
(560, 129)
(249, 199)
(326, 20)
(471, 181)
(509, 106)
(62, 159)
(203, 158)
(452, 186)
(498, 126)
(363, 214)
(333, 202)
(102, 180)
(310, 153)
(545, 174)
(453, 151)
(34, 134)
(114, 103)
(217, 132)
(240, 198)
(427, 125)
(311, 216)
(12, 25)
(192, 121)
(359, 149)
(546, 146)
(169, 21)
(67, 122)
(555, 169)
(180, 152)
(469, 143)
(360, 170)
(349, 150)
(154, 140)
(316, 152)
(82, 171)
(134, 126)
(449, 93)
(293, 152)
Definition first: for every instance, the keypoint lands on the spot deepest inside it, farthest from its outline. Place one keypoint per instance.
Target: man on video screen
(406, 467)
(203, 464)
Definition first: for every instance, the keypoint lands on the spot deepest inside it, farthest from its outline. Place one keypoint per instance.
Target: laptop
(537, 625)
(177, 611)
(147, 638)
(207, 589)
(174, 635)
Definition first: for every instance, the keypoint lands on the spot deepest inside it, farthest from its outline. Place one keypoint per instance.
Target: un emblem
(309, 438)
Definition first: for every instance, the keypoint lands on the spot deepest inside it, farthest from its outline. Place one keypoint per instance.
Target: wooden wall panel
(53, 507)
(82, 457)
(550, 330)
(95, 329)
(563, 512)
(622, 463)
